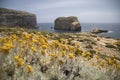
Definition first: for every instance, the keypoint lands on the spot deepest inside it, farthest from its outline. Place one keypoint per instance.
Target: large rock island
(15, 18)
(67, 23)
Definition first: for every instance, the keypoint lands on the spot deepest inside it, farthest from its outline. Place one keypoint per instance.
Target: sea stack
(15, 18)
(67, 23)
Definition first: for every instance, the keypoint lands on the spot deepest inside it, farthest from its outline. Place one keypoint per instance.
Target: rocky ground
(34, 55)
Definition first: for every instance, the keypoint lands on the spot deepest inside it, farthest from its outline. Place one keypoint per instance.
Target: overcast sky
(86, 10)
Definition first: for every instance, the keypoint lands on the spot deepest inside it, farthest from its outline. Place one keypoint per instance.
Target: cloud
(86, 10)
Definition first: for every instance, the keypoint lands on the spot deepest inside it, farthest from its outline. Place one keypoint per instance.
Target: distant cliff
(67, 23)
(15, 18)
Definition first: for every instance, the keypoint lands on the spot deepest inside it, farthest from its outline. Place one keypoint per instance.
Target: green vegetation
(10, 11)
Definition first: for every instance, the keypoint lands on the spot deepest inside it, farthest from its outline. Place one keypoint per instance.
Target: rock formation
(15, 18)
(67, 23)
(97, 31)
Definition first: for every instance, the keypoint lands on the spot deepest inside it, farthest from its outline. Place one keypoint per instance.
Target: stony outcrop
(67, 23)
(97, 31)
(15, 18)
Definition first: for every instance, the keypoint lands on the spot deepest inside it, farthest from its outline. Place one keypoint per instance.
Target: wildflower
(43, 52)
(63, 41)
(78, 45)
(14, 36)
(64, 47)
(20, 40)
(63, 54)
(71, 55)
(42, 41)
(84, 54)
(9, 44)
(54, 55)
(112, 57)
(45, 39)
(7, 47)
(23, 49)
(16, 58)
(24, 43)
(55, 43)
(19, 60)
(33, 49)
(45, 60)
(30, 68)
(99, 49)
(102, 63)
(109, 61)
(71, 48)
(39, 33)
(27, 36)
(31, 35)
(2, 39)
(44, 46)
(48, 37)
(35, 41)
(88, 54)
(78, 51)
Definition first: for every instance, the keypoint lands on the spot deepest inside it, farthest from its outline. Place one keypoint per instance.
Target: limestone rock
(15, 18)
(97, 31)
(67, 23)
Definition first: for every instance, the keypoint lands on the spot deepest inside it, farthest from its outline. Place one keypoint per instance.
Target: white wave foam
(110, 31)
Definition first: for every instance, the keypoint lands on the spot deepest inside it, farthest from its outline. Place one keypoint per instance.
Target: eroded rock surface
(15, 18)
(67, 23)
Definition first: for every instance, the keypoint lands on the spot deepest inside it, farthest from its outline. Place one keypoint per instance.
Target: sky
(87, 11)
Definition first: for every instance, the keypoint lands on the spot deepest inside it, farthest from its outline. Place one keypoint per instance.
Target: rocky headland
(67, 23)
(16, 18)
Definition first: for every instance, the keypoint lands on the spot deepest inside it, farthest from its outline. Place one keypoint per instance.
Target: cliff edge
(16, 18)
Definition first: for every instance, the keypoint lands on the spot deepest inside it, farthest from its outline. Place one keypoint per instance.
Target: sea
(113, 28)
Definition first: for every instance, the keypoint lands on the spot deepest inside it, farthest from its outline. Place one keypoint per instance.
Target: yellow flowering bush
(33, 49)
(49, 54)
(19, 60)
(71, 55)
(30, 69)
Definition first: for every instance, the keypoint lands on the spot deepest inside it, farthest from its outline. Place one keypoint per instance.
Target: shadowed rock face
(15, 18)
(67, 23)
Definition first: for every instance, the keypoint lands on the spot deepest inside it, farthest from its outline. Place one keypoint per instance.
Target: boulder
(67, 23)
(97, 31)
(15, 18)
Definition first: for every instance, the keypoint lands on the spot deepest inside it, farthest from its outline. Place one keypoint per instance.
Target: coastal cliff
(67, 23)
(15, 18)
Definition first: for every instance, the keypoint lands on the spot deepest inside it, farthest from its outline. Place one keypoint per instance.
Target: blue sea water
(113, 28)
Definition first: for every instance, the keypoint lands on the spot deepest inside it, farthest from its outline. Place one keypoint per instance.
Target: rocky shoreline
(67, 56)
